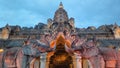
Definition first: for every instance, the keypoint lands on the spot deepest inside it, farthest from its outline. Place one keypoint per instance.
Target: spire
(61, 5)
(116, 25)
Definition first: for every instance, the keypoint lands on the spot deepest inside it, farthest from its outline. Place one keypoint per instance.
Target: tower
(5, 33)
(61, 21)
(60, 15)
(116, 31)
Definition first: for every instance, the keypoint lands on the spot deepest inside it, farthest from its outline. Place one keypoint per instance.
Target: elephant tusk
(68, 49)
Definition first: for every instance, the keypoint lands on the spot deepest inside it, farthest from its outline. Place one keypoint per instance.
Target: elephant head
(35, 48)
(87, 49)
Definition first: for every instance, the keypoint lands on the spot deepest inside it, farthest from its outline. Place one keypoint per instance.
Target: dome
(60, 14)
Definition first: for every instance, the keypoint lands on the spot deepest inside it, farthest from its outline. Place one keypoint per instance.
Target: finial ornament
(61, 5)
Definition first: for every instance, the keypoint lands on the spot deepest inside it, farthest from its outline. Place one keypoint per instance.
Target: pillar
(43, 60)
(78, 61)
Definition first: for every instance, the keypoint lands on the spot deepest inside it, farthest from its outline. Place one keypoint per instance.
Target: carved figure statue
(89, 51)
(18, 57)
(99, 57)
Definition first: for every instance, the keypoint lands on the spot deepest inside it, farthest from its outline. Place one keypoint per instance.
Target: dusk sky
(86, 12)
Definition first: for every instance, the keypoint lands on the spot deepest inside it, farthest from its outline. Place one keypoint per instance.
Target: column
(43, 60)
(78, 61)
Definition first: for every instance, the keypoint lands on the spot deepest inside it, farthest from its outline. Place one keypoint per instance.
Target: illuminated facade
(62, 26)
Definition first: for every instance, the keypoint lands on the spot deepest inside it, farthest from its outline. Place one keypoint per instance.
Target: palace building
(15, 35)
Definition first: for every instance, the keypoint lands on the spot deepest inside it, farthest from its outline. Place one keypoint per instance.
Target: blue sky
(86, 12)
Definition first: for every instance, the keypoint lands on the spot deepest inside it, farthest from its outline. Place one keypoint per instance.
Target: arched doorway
(61, 59)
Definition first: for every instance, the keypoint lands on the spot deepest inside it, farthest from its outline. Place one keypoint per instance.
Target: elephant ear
(27, 50)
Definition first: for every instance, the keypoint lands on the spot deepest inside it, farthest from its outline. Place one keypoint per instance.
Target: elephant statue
(99, 57)
(89, 51)
(21, 57)
(111, 57)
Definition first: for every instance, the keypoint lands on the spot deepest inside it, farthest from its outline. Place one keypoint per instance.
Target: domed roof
(60, 14)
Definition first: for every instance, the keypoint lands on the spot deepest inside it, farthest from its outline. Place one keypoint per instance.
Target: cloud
(85, 12)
